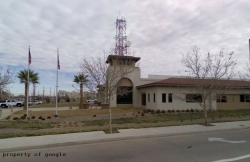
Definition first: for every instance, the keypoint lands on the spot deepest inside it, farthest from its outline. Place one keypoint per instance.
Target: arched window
(125, 92)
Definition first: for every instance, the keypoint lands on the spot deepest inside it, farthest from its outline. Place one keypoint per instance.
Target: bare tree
(107, 73)
(6, 77)
(246, 74)
(62, 94)
(95, 68)
(208, 75)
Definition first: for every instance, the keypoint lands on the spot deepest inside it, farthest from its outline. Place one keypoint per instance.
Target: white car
(34, 102)
(7, 103)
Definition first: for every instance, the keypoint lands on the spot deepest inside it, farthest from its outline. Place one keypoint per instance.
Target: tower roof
(112, 57)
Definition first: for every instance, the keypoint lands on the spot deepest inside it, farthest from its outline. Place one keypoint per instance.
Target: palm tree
(23, 75)
(81, 79)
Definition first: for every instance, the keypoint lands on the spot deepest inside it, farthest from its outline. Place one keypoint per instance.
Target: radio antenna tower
(120, 37)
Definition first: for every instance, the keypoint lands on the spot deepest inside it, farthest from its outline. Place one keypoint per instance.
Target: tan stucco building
(162, 92)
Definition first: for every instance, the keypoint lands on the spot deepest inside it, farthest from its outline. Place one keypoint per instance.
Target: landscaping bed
(71, 121)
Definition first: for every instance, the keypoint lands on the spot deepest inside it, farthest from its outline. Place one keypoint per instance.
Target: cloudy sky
(160, 32)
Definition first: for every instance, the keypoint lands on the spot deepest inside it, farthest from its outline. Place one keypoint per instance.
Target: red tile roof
(190, 82)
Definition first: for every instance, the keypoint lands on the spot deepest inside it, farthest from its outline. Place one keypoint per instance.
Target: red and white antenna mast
(120, 37)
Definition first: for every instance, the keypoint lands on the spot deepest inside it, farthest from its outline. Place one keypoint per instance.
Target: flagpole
(27, 102)
(57, 80)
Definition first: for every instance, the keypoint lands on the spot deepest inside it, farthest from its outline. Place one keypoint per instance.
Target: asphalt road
(209, 147)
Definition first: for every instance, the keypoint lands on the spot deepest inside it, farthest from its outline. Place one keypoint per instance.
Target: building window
(221, 98)
(144, 98)
(170, 98)
(124, 62)
(154, 97)
(193, 98)
(163, 97)
(245, 98)
(124, 95)
(148, 97)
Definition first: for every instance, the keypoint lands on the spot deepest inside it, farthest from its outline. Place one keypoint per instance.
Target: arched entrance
(125, 92)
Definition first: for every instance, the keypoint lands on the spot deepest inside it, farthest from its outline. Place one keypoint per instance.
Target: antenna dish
(128, 44)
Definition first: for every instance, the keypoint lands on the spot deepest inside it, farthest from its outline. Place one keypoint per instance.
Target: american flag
(29, 57)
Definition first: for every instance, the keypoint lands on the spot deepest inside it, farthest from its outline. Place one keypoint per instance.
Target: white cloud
(160, 32)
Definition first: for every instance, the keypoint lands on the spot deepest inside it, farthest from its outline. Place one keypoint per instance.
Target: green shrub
(192, 110)
(15, 118)
(158, 111)
(48, 117)
(152, 111)
(187, 110)
(40, 117)
(178, 111)
(163, 111)
(182, 110)
(43, 118)
(142, 114)
(47, 99)
(94, 115)
(173, 110)
(33, 117)
(169, 111)
(67, 99)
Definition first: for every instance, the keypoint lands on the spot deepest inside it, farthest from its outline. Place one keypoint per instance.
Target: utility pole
(0, 92)
(43, 93)
(34, 93)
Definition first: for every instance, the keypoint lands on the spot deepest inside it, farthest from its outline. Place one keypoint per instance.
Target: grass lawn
(78, 112)
(64, 104)
(24, 125)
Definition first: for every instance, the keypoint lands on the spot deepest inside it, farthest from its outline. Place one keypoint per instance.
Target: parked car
(6, 103)
(34, 102)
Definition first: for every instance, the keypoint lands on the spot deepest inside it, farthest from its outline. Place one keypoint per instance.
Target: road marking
(223, 140)
(233, 159)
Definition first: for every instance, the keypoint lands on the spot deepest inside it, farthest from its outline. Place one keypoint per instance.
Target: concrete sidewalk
(7, 111)
(20, 143)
